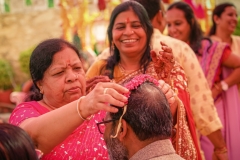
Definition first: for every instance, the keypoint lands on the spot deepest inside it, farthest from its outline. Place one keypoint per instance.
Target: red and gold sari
(185, 140)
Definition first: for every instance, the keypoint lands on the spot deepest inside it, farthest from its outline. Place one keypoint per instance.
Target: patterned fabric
(159, 150)
(227, 103)
(185, 139)
(202, 105)
(84, 143)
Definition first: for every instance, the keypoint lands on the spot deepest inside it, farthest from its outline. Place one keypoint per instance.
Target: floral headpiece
(131, 85)
(137, 81)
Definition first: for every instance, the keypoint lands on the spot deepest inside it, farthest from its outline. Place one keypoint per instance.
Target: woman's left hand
(163, 61)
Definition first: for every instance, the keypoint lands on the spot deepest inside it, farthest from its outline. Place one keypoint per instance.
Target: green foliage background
(237, 30)
(24, 59)
(5, 75)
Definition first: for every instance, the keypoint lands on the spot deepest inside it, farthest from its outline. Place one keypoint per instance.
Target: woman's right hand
(100, 98)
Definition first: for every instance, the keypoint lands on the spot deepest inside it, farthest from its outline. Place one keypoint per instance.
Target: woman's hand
(220, 156)
(91, 83)
(216, 90)
(100, 98)
(170, 95)
(163, 61)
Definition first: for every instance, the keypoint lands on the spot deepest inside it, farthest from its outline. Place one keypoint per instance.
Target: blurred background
(25, 23)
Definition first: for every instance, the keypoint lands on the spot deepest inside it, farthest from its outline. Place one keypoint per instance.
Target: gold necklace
(124, 71)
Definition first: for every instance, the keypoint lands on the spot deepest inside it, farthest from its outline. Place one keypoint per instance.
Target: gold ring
(105, 90)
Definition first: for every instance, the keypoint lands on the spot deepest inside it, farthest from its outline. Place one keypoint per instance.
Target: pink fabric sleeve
(26, 110)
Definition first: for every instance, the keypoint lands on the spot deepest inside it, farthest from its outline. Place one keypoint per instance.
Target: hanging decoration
(197, 8)
(85, 17)
(101, 5)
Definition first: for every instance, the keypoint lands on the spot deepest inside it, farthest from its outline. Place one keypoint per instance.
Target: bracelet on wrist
(84, 119)
(220, 150)
(217, 87)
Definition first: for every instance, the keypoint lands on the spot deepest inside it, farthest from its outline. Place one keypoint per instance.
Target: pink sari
(85, 142)
(227, 104)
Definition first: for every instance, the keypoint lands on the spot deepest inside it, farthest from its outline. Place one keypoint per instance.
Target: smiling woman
(129, 35)
(221, 68)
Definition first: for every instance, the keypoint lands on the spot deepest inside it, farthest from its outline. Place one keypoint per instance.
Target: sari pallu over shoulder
(227, 104)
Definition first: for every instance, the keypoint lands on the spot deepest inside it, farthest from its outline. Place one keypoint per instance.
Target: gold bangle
(85, 119)
(220, 151)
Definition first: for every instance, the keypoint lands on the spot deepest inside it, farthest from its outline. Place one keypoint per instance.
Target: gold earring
(41, 91)
(112, 47)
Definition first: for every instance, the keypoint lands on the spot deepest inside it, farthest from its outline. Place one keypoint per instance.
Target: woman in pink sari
(222, 70)
(60, 117)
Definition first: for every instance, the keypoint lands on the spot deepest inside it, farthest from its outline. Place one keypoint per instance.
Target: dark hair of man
(41, 59)
(148, 113)
(152, 7)
(147, 26)
(218, 10)
(15, 143)
(196, 34)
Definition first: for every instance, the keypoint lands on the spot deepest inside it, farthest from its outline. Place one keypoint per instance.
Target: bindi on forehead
(68, 62)
(127, 20)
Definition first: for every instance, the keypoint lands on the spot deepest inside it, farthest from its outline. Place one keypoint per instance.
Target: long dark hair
(147, 26)
(196, 33)
(15, 143)
(41, 59)
(218, 10)
(152, 7)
